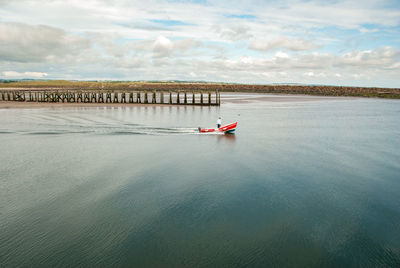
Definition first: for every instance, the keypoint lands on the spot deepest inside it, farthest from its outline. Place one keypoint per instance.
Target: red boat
(228, 129)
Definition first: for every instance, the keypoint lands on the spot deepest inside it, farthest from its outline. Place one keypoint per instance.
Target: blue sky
(355, 43)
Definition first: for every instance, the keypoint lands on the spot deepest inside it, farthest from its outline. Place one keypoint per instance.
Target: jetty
(171, 97)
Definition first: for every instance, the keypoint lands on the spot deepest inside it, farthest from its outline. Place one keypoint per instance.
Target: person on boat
(219, 122)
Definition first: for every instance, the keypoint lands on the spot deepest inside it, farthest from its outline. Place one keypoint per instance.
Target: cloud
(233, 32)
(282, 43)
(164, 47)
(365, 30)
(281, 54)
(379, 57)
(21, 42)
(13, 74)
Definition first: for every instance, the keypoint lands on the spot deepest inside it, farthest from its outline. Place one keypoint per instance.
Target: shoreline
(291, 89)
(226, 98)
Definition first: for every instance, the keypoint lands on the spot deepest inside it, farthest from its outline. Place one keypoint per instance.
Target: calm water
(302, 183)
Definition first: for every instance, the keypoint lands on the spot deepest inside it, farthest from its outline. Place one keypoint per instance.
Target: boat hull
(228, 129)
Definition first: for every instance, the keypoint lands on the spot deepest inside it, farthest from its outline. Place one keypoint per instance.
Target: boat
(228, 129)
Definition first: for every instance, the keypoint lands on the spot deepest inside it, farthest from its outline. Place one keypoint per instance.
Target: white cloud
(233, 32)
(380, 57)
(309, 74)
(282, 43)
(162, 47)
(14, 74)
(365, 30)
(35, 43)
(395, 65)
(281, 54)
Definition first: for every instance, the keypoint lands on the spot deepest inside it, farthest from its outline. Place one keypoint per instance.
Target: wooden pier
(179, 97)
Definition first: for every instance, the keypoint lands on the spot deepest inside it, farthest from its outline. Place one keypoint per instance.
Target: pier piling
(175, 97)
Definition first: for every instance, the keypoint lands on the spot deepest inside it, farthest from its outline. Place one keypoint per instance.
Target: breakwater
(179, 97)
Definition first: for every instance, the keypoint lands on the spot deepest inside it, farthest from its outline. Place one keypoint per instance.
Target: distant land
(320, 90)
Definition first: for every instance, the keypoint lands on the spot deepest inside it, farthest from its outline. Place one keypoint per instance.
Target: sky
(334, 42)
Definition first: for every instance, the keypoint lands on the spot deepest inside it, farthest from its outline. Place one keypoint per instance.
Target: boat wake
(81, 124)
(102, 130)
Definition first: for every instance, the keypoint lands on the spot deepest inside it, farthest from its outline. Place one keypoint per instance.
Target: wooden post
(201, 97)
(170, 97)
(93, 97)
(154, 99)
(209, 98)
(185, 100)
(80, 97)
(178, 100)
(162, 97)
(138, 97)
(145, 98)
(73, 96)
(100, 99)
(131, 97)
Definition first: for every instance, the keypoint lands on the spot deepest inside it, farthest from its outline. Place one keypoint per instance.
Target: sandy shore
(225, 99)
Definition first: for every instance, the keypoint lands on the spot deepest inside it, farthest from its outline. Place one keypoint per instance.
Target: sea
(304, 182)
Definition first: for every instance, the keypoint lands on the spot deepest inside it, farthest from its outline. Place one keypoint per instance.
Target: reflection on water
(299, 184)
(227, 138)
